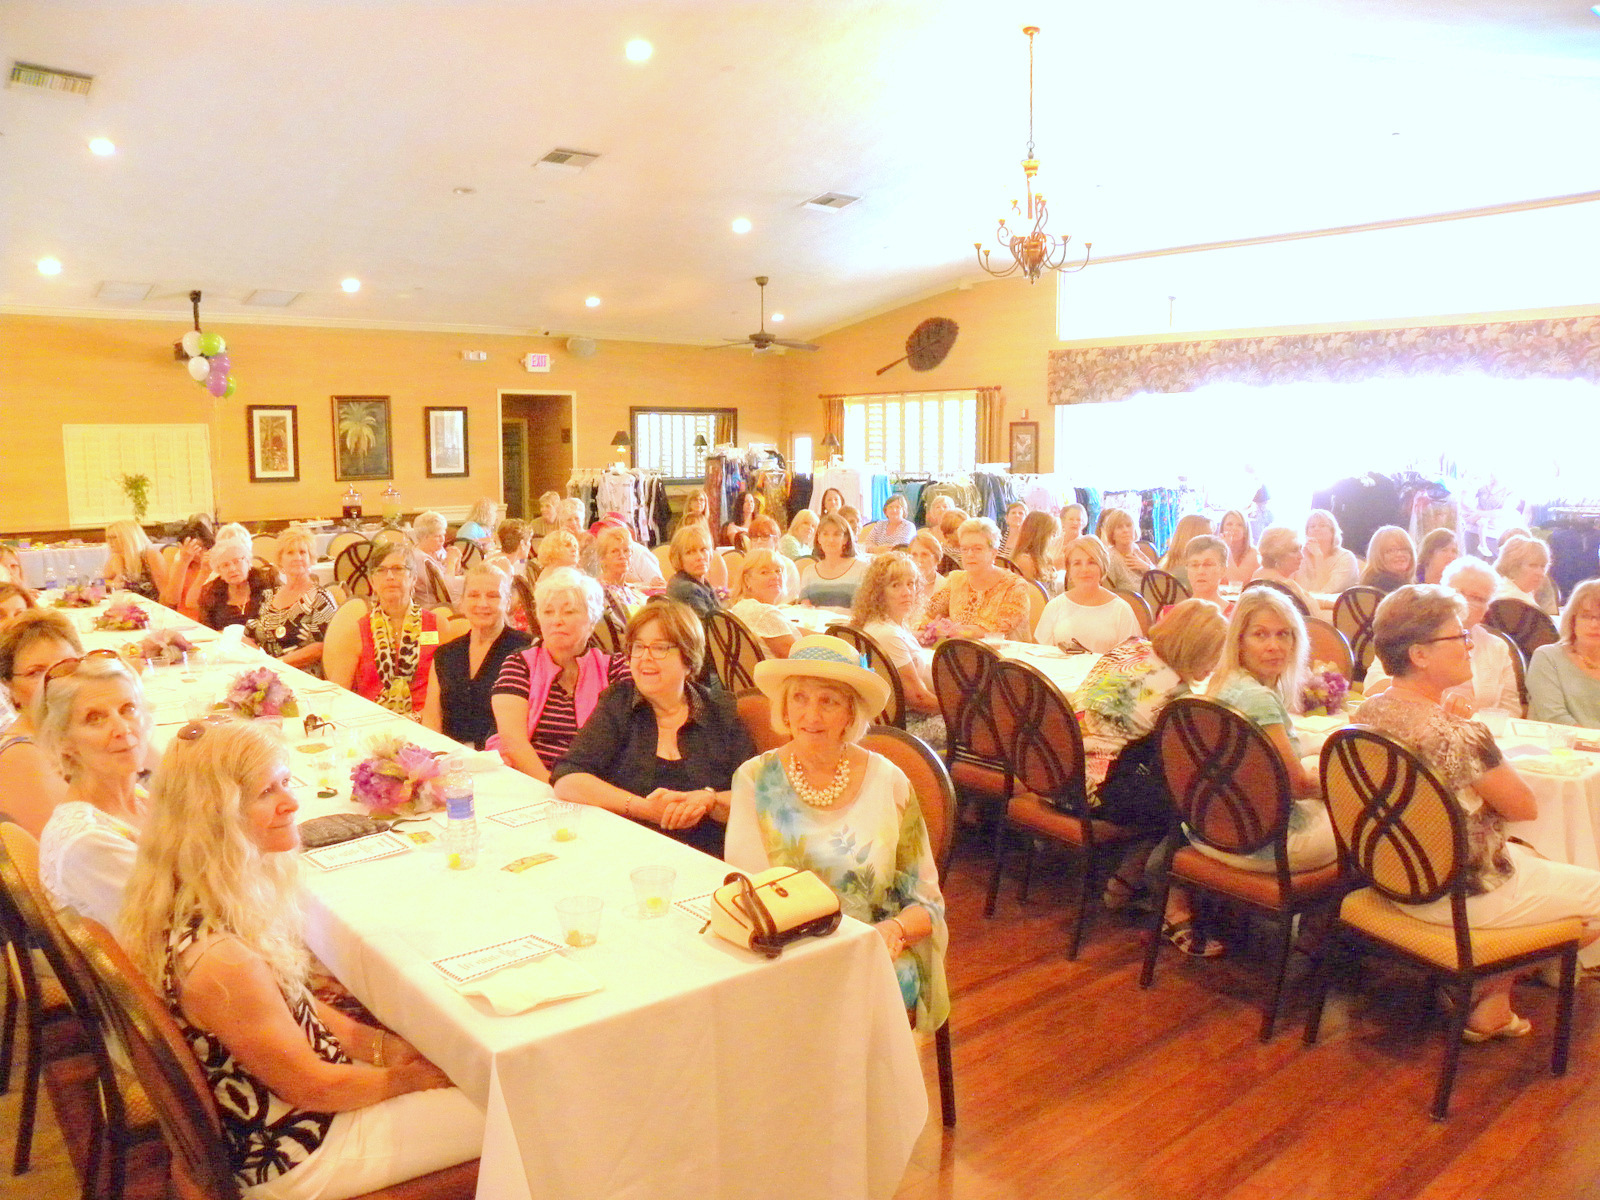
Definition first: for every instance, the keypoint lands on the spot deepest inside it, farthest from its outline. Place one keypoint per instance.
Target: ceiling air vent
(568, 161)
(49, 79)
(832, 201)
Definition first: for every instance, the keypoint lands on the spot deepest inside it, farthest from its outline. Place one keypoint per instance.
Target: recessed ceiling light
(350, 285)
(741, 225)
(49, 266)
(776, 317)
(102, 146)
(639, 50)
(592, 302)
(464, 191)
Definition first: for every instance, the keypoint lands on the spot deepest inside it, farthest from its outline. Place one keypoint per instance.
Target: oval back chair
(1161, 588)
(1524, 624)
(879, 662)
(963, 673)
(1141, 610)
(733, 650)
(1353, 612)
(1329, 645)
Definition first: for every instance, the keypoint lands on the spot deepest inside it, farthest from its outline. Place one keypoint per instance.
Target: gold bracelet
(377, 1053)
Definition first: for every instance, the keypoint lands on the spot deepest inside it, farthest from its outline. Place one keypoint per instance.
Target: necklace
(825, 797)
(396, 663)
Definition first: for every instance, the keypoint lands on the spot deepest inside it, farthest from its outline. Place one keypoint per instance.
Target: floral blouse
(280, 630)
(1118, 703)
(1000, 608)
(1460, 752)
(873, 852)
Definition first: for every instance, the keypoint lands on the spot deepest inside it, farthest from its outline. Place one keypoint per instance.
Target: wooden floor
(1073, 1083)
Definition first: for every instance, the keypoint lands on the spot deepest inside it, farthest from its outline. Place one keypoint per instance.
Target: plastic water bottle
(461, 820)
(72, 572)
(51, 583)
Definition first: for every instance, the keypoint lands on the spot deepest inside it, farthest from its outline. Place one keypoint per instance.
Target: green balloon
(212, 343)
(233, 386)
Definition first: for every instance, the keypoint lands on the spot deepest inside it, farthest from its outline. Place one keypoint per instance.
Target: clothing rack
(638, 496)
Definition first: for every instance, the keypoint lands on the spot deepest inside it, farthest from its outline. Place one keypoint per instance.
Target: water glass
(565, 820)
(580, 919)
(652, 888)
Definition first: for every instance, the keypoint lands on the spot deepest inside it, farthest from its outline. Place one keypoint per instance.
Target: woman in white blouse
(760, 592)
(888, 599)
(1523, 565)
(1326, 566)
(1087, 613)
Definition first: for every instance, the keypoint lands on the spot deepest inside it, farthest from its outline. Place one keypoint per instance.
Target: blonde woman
(1438, 550)
(1281, 558)
(1391, 559)
(950, 528)
(983, 598)
(802, 530)
(764, 536)
(887, 602)
(1327, 566)
(1074, 520)
(927, 551)
(30, 781)
(690, 554)
(1524, 568)
(1564, 678)
(1035, 553)
(548, 518)
(1242, 561)
(696, 510)
(313, 1103)
(1189, 527)
(1127, 563)
(294, 616)
(558, 548)
(1087, 615)
(465, 670)
(760, 592)
(480, 522)
(132, 563)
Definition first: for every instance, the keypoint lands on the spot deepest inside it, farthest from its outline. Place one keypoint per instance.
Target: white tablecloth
(39, 565)
(699, 1070)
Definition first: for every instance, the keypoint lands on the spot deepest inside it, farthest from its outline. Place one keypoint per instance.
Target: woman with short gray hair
(983, 598)
(466, 669)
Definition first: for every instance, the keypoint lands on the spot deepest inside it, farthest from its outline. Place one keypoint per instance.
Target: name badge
(430, 637)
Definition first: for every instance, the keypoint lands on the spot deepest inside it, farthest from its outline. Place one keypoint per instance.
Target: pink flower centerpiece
(260, 693)
(936, 630)
(390, 782)
(1324, 691)
(164, 646)
(84, 595)
(124, 616)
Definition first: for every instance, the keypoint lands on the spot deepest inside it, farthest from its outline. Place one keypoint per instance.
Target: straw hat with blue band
(822, 657)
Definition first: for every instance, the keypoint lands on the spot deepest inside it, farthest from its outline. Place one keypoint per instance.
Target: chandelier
(1034, 252)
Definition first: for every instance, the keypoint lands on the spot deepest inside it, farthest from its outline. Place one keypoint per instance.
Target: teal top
(832, 593)
(1559, 691)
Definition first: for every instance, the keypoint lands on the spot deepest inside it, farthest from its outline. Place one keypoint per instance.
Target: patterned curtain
(992, 425)
(832, 422)
(1566, 348)
(727, 426)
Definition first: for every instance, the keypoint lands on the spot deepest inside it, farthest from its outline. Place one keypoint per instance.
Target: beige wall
(56, 371)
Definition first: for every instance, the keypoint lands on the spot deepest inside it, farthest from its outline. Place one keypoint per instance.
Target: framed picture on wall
(363, 447)
(274, 443)
(446, 430)
(1025, 447)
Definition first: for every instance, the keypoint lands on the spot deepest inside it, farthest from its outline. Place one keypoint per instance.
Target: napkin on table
(543, 981)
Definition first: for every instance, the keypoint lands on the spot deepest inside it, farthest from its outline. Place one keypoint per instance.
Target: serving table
(697, 1070)
(40, 563)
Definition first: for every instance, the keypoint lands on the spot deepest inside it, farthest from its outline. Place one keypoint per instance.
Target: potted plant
(137, 489)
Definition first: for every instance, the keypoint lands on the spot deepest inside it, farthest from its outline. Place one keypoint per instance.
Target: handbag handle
(751, 903)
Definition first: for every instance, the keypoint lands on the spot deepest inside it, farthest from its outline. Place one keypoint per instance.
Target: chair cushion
(1381, 918)
(1038, 815)
(1255, 887)
(983, 781)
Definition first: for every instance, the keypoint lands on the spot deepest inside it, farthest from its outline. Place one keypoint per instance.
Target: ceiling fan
(761, 339)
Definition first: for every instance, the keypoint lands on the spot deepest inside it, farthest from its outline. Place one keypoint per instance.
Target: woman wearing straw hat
(820, 802)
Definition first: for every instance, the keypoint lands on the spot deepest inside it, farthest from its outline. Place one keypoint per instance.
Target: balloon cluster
(209, 363)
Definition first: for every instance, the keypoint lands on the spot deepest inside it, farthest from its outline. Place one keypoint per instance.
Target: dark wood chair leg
(1569, 971)
(8, 1036)
(999, 868)
(1452, 1050)
(99, 1137)
(1328, 954)
(1080, 921)
(1031, 853)
(1269, 1019)
(1153, 947)
(33, 1057)
(947, 1075)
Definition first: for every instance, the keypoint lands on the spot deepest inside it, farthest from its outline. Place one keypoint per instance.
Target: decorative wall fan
(928, 344)
(761, 339)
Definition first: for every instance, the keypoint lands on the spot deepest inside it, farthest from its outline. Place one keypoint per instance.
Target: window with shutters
(913, 432)
(664, 439)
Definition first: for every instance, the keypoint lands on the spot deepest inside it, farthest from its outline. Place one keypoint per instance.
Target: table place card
(348, 854)
(486, 960)
(1533, 729)
(361, 720)
(698, 907)
(527, 814)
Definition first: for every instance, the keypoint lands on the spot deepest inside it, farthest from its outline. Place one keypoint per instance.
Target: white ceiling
(271, 144)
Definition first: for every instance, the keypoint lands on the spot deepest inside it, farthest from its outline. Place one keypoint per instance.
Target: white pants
(1538, 891)
(384, 1144)
(1310, 843)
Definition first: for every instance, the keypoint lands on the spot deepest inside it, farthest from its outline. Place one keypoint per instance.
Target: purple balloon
(217, 385)
(220, 364)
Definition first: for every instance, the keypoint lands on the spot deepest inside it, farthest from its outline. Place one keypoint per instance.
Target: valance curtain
(833, 419)
(1562, 348)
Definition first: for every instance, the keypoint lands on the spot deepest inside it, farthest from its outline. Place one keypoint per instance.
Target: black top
(215, 610)
(464, 708)
(618, 745)
(695, 594)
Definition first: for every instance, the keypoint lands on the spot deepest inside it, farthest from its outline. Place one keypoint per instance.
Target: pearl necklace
(825, 797)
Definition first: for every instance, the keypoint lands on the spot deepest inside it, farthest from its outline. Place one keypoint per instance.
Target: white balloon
(191, 343)
(199, 368)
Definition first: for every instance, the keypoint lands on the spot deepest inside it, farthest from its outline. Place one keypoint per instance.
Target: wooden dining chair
(608, 634)
(936, 798)
(1230, 790)
(1282, 588)
(264, 546)
(341, 641)
(1519, 665)
(949, 563)
(733, 560)
(119, 1111)
(1000, 560)
(1161, 588)
(471, 552)
(975, 750)
(1353, 613)
(734, 650)
(1038, 598)
(1524, 624)
(755, 713)
(663, 555)
(879, 662)
(339, 541)
(1051, 793)
(181, 1097)
(1141, 610)
(1148, 549)
(352, 566)
(1328, 645)
(1403, 839)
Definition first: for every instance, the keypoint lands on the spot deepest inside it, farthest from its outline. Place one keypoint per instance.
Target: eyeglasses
(69, 666)
(1464, 637)
(656, 650)
(393, 571)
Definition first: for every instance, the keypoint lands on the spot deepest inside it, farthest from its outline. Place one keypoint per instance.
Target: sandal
(1119, 893)
(1182, 935)
(1514, 1028)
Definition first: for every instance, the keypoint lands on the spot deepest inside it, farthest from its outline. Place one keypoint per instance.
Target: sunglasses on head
(194, 729)
(69, 666)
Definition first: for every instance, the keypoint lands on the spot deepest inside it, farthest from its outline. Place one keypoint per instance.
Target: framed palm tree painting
(362, 445)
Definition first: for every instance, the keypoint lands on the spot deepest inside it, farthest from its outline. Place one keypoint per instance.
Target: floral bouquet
(124, 616)
(1324, 691)
(164, 646)
(82, 595)
(389, 783)
(260, 693)
(936, 630)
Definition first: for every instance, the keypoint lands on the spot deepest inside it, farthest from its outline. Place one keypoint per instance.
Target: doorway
(535, 448)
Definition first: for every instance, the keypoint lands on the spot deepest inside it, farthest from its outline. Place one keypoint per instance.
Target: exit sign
(536, 362)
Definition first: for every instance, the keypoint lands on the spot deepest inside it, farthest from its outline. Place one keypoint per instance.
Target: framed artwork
(274, 443)
(1025, 447)
(363, 447)
(446, 430)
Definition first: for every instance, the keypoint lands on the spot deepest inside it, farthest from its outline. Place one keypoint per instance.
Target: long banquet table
(698, 1070)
